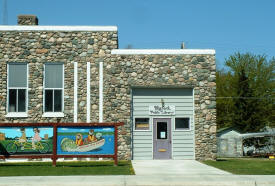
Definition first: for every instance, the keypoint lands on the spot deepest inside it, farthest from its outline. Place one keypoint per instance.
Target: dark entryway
(162, 138)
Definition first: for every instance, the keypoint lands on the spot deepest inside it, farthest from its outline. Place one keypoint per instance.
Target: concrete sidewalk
(174, 167)
(155, 173)
(154, 180)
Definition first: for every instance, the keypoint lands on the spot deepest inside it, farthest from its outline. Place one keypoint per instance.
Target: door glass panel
(161, 130)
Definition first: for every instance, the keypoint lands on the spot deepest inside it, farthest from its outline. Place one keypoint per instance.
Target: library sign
(156, 110)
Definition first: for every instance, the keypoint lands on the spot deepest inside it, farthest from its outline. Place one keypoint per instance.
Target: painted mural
(85, 140)
(26, 140)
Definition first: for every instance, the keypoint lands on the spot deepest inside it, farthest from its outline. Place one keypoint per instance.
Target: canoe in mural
(68, 145)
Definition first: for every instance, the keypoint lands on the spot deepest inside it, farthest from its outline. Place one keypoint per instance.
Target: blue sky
(85, 129)
(228, 26)
(13, 132)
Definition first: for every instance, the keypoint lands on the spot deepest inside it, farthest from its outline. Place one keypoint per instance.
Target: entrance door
(162, 138)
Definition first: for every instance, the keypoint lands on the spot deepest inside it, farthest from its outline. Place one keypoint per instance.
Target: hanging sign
(162, 110)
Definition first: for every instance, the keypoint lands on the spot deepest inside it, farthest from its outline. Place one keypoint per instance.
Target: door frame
(172, 122)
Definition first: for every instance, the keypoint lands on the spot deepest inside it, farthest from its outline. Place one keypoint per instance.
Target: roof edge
(162, 51)
(57, 28)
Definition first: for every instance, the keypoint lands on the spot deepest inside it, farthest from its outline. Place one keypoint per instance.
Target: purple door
(162, 138)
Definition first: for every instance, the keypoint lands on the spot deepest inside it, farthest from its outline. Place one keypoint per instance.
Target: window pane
(53, 76)
(12, 100)
(17, 75)
(57, 100)
(21, 100)
(48, 100)
(161, 130)
(182, 123)
(142, 123)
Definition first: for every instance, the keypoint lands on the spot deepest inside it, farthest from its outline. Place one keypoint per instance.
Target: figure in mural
(79, 139)
(36, 138)
(27, 140)
(23, 138)
(91, 137)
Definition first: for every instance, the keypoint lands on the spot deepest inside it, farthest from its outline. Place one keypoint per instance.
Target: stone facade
(36, 48)
(121, 74)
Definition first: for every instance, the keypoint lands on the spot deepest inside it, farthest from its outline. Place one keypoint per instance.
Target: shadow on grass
(63, 164)
(221, 160)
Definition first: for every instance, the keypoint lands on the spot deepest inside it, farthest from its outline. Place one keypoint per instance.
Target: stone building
(165, 97)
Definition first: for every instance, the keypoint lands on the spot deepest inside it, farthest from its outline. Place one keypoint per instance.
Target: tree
(249, 84)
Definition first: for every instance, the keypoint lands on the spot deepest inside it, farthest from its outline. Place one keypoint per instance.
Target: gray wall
(182, 141)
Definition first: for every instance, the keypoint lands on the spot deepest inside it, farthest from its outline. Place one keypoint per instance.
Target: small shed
(229, 143)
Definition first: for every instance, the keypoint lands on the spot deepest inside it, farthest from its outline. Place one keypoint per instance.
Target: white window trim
(150, 120)
(17, 114)
(182, 130)
(53, 114)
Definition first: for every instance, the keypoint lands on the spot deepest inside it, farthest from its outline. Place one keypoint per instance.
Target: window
(161, 130)
(182, 123)
(17, 87)
(53, 87)
(142, 124)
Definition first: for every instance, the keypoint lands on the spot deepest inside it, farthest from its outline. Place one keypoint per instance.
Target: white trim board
(162, 51)
(58, 28)
(88, 120)
(101, 91)
(75, 92)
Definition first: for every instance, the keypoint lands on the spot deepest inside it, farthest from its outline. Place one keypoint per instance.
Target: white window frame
(150, 120)
(17, 114)
(53, 114)
(187, 129)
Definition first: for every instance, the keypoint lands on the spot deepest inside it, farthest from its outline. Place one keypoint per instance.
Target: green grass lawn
(245, 166)
(66, 168)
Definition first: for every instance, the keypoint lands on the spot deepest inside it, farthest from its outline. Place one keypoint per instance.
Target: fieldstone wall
(122, 72)
(38, 47)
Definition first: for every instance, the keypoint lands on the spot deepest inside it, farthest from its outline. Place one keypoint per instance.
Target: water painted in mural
(85, 140)
(26, 140)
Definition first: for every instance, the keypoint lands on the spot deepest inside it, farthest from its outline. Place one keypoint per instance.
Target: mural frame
(54, 156)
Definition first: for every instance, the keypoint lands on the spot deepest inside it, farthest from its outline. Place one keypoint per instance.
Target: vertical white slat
(101, 91)
(75, 92)
(88, 120)
(193, 123)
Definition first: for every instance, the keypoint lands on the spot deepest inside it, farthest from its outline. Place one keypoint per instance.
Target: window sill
(17, 115)
(53, 115)
(182, 130)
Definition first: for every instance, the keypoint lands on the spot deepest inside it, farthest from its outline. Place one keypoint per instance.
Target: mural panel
(26, 140)
(85, 140)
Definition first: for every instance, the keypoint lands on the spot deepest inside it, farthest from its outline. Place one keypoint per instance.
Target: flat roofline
(57, 28)
(162, 51)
